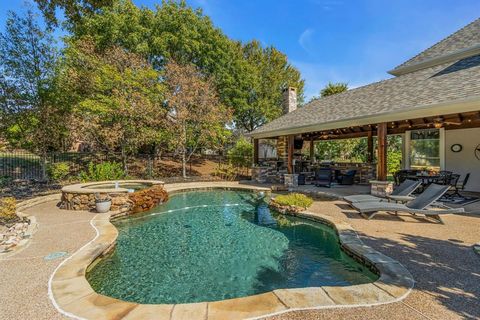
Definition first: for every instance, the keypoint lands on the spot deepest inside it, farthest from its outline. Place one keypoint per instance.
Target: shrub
(226, 171)
(8, 208)
(103, 171)
(5, 181)
(294, 199)
(394, 161)
(58, 171)
(241, 154)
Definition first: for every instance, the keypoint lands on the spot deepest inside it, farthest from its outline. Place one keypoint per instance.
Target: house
(433, 102)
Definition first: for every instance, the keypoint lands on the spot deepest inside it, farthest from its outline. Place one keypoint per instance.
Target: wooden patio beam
(255, 151)
(290, 145)
(382, 152)
(312, 150)
(370, 146)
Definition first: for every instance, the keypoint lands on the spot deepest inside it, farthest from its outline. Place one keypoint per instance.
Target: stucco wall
(464, 161)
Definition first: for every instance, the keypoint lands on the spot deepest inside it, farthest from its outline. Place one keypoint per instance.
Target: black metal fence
(24, 165)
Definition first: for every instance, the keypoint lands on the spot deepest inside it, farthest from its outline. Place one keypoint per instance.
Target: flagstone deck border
(73, 296)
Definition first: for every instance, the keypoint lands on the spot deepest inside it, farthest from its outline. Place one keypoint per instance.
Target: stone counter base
(73, 295)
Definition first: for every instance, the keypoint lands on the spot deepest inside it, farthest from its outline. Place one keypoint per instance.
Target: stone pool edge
(73, 296)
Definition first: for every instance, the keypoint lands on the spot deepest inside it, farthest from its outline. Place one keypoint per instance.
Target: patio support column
(255, 151)
(382, 152)
(290, 143)
(312, 151)
(370, 147)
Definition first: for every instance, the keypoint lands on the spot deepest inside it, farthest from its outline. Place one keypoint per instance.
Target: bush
(103, 171)
(5, 181)
(294, 199)
(58, 171)
(394, 161)
(241, 154)
(8, 208)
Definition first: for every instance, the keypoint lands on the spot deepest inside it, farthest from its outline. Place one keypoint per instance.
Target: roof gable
(461, 44)
(441, 84)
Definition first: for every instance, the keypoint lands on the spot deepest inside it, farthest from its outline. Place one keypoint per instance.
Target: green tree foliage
(118, 97)
(30, 113)
(74, 10)
(355, 150)
(248, 78)
(264, 75)
(333, 88)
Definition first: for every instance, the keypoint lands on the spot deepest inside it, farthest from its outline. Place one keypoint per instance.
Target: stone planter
(381, 188)
(294, 210)
(103, 206)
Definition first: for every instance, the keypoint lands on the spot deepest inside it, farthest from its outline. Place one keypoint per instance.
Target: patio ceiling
(449, 122)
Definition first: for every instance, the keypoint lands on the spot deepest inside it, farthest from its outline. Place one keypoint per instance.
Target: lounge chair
(419, 205)
(400, 193)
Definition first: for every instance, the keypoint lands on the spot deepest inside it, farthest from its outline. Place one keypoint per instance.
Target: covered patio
(294, 163)
(432, 103)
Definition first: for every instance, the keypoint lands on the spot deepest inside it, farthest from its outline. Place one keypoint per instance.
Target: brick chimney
(289, 100)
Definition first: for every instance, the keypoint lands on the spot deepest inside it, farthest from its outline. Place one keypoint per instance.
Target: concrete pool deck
(440, 257)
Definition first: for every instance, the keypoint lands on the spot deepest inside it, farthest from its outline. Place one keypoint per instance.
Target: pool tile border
(72, 295)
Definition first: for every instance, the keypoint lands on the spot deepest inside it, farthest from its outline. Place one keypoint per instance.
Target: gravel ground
(440, 257)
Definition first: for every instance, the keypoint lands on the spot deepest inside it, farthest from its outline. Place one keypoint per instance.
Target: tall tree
(195, 112)
(265, 73)
(333, 88)
(74, 10)
(248, 78)
(31, 117)
(118, 97)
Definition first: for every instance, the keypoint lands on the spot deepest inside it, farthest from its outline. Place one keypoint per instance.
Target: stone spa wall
(134, 202)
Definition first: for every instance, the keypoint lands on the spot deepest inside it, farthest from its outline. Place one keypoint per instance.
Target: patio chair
(444, 177)
(347, 178)
(458, 186)
(400, 193)
(323, 177)
(419, 205)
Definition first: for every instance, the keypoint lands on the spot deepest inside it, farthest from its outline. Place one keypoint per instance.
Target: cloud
(327, 5)
(305, 39)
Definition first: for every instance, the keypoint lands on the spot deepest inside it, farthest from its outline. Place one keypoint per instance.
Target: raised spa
(216, 245)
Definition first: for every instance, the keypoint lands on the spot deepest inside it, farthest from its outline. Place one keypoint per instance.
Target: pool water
(133, 186)
(215, 245)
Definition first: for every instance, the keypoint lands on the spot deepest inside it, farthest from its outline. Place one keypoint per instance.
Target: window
(425, 149)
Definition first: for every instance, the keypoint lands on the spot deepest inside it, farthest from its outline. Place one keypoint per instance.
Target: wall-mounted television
(298, 144)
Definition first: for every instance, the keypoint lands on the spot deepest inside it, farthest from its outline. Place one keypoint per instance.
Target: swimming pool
(216, 245)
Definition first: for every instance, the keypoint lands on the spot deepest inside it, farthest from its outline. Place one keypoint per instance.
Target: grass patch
(294, 199)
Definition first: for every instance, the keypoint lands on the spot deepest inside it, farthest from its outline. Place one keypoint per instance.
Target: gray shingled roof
(464, 38)
(438, 84)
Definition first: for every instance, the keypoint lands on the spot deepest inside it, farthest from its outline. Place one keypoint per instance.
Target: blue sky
(353, 41)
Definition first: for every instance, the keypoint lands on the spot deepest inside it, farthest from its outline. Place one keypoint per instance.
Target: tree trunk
(124, 160)
(184, 151)
(184, 163)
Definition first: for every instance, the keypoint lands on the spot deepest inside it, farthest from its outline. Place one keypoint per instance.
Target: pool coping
(73, 296)
(82, 188)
